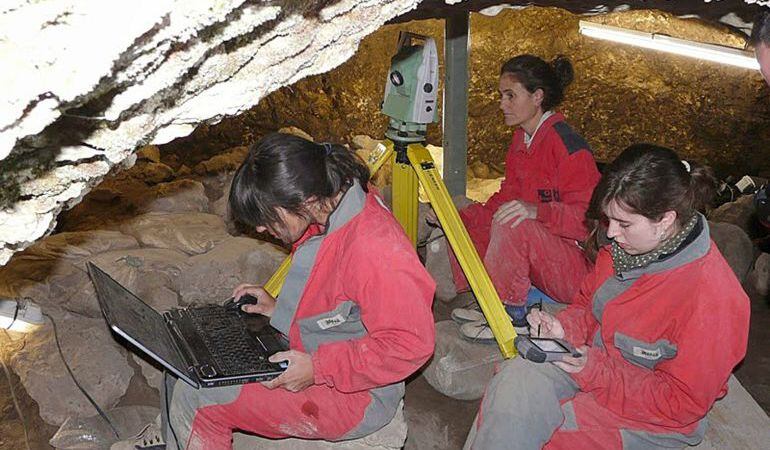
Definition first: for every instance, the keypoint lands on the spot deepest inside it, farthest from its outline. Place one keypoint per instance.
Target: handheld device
(544, 349)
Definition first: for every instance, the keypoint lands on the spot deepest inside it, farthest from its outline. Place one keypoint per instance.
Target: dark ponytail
(651, 180)
(534, 73)
(283, 170)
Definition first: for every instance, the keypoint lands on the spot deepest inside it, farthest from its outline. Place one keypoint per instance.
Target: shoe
(478, 332)
(469, 310)
(149, 438)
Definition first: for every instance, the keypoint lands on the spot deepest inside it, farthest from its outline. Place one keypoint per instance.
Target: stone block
(437, 264)
(390, 437)
(739, 212)
(211, 277)
(191, 233)
(180, 196)
(759, 278)
(460, 368)
(735, 245)
(97, 361)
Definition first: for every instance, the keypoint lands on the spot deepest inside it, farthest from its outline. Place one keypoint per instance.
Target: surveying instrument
(410, 103)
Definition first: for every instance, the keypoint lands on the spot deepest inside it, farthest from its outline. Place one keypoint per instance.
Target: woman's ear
(538, 96)
(667, 222)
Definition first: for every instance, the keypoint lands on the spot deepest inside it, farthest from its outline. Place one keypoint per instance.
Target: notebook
(206, 346)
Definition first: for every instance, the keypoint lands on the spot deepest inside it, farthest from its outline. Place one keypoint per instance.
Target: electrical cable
(168, 409)
(428, 241)
(72, 375)
(13, 395)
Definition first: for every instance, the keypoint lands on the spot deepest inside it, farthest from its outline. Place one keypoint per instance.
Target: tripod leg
(374, 161)
(405, 195)
(463, 247)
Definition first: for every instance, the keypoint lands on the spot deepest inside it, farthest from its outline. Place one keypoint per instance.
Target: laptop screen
(136, 321)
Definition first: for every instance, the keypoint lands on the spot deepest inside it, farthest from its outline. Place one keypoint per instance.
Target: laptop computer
(205, 346)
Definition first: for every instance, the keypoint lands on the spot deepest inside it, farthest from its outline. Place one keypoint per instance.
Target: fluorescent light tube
(652, 41)
(21, 316)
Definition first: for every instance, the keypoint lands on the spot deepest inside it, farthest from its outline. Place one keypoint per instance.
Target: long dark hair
(285, 170)
(760, 32)
(651, 180)
(534, 73)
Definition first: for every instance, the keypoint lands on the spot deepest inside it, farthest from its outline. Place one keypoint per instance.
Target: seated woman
(529, 232)
(356, 305)
(660, 322)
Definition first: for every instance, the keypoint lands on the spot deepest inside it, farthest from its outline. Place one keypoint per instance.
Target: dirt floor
(435, 421)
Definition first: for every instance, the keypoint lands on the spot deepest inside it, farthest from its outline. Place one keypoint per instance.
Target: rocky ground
(162, 229)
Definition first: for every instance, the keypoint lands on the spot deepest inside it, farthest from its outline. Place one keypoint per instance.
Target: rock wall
(621, 94)
(94, 80)
(91, 81)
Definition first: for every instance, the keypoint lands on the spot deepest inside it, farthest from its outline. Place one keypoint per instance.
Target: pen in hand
(540, 307)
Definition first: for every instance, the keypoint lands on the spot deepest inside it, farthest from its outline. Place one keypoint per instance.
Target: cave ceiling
(86, 83)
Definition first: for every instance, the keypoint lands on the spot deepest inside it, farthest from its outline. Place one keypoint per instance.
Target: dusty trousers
(530, 406)
(198, 419)
(516, 258)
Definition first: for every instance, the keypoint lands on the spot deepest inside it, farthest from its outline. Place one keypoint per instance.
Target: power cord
(72, 375)
(13, 394)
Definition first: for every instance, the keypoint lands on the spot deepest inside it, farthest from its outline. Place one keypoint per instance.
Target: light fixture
(19, 315)
(661, 42)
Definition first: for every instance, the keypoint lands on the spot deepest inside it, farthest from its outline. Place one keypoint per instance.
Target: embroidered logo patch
(647, 354)
(330, 322)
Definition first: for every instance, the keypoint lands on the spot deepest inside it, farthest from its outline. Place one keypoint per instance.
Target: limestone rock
(211, 277)
(152, 374)
(191, 233)
(460, 369)
(152, 274)
(480, 170)
(735, 246)
(97, 361)
(390, 437)
(53, 272)
(740, 213)
(296, 132)
(226, 161)
(479, 190)
(437, 264)
(180, 196)
(152, 172)
(85, 433)
(149, 152)
(176, 64)
(759, 278)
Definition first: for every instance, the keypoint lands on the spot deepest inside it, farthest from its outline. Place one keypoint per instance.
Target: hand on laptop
(296, 377)
(265, 302)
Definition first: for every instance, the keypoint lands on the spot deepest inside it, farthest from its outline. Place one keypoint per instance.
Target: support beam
(455, 110)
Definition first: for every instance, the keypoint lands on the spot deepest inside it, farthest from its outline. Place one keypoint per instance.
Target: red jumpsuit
(660, 351)
(662, 341)
(359, 301)
(557, 172)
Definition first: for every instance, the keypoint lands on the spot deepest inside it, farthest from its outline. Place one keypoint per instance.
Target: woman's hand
(265, 302)
(571, 364)
(515, 211)
(298, 376)
(547, 325)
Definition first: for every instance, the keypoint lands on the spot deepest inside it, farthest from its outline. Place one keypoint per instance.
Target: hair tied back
(328, 148)
(686, 166)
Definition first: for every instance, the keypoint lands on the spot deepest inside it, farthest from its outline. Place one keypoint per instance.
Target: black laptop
(205, 346)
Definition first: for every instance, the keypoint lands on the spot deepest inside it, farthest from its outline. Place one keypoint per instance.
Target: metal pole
(455, 111)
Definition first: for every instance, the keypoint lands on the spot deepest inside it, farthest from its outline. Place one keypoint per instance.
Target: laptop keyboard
(230, 345)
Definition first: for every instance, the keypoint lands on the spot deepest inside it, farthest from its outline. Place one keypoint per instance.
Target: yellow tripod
(413, 163)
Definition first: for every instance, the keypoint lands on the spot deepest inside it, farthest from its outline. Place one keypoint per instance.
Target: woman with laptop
(659, 325)
(355, 306)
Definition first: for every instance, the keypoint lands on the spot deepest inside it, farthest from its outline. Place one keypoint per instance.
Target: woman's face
(520, 107)
(635, 233)
(290, 228)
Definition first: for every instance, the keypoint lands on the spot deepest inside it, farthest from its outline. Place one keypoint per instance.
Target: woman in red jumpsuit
(355, 306)
(661, 322)
(529, 233)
